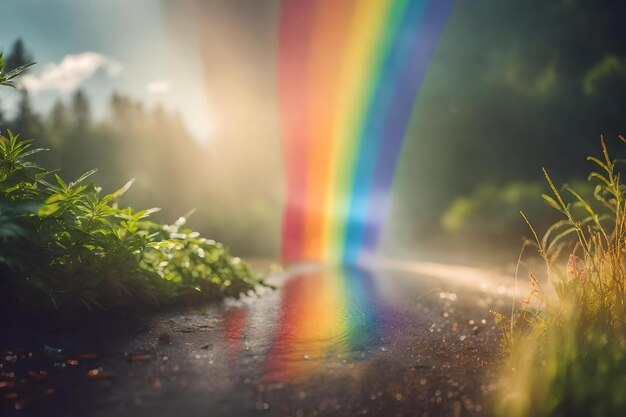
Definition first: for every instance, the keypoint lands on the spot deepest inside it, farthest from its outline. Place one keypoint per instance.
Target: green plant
(8, 79)
(68, 245)
(568, 354)
(71, 244)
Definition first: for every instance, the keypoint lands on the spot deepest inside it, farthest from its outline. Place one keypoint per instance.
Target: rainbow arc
(349, 75)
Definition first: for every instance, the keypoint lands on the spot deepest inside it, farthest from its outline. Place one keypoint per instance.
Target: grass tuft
(568, 347)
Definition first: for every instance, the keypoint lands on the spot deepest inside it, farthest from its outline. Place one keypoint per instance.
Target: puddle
(326, 316)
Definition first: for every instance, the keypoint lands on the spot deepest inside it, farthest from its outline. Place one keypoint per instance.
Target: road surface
(400, 339)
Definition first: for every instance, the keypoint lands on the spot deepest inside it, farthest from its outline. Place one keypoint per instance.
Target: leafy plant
(69, 245)
(568, 355)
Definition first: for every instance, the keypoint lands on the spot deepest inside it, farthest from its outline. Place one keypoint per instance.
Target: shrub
(68, 245)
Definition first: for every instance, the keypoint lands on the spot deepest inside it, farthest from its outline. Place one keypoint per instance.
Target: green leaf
(17, 71)
(84, 177)
(552, 202)
(48, 210)
(599, 177)
(599, 163)
(61, 182)
(119, 192)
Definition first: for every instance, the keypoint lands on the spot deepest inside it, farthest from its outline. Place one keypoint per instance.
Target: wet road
(398, 340)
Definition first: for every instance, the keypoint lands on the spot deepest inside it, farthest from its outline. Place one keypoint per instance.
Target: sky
(104, 46)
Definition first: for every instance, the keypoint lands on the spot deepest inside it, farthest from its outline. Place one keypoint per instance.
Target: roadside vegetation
(567, 345)
(490, 213)
(69, 245)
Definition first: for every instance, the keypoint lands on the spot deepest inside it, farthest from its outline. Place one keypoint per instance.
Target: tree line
(172, 170)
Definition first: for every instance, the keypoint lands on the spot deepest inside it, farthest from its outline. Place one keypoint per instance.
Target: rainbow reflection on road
(326, 314)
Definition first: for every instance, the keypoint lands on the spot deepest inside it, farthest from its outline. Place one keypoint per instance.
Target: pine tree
(2, 117)
(27, 122)
(58, 122)
(81, 110)
(59, 116)
(30, 125)
(18, 56)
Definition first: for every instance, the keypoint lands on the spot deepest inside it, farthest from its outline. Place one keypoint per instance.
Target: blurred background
(182, 96)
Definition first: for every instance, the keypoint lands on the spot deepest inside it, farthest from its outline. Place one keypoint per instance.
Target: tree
(59, 117)
(18, 56)
(27, 121)
(2, 118)
(81, 110)
(57, 127)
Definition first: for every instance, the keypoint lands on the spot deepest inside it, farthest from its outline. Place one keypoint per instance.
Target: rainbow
(349, 73)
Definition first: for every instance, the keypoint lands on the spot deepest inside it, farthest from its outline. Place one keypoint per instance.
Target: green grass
(568, 351)
(68, 245)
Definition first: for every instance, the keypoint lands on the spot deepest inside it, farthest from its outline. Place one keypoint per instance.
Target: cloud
(70, 72)
(158, 87)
